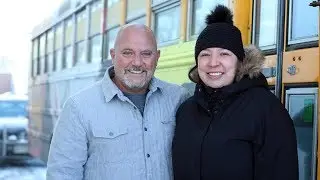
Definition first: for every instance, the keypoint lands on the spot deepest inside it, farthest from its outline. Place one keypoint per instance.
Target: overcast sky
(17, 18)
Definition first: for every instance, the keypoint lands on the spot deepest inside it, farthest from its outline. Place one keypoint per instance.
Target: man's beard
(131, 83)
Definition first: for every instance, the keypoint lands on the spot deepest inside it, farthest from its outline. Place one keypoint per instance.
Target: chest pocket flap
(109, 133)
(108, 144)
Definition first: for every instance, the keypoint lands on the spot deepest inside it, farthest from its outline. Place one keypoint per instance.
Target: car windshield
(13, 108)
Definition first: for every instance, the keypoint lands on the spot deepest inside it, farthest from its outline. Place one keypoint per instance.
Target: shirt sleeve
(68, 149)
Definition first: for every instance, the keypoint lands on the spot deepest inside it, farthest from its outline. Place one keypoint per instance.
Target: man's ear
(158, 56)
(158, 52)
(113, 55)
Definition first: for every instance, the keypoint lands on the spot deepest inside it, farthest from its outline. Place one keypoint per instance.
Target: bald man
(121, 127)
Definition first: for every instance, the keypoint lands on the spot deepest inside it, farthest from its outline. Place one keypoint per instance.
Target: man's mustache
(135, 68)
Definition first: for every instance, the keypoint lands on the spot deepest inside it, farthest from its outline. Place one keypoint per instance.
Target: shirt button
(145, 129)
(148, 155)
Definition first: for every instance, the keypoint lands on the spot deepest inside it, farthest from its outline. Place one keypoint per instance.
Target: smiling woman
(223, 129)
(217, 67)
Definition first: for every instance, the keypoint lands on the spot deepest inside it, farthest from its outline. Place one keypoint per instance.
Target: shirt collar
(110, 89)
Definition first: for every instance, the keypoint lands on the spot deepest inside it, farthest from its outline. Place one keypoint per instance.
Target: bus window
(166, 24)
(264, 23)
(301, 30)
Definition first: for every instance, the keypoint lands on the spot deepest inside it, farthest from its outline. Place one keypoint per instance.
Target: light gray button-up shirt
(100, 134)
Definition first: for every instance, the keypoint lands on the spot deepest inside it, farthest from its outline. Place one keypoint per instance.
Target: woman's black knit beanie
(219, 32)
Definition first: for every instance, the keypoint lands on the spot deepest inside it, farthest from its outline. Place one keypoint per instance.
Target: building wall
(5, 82)
(6, 79)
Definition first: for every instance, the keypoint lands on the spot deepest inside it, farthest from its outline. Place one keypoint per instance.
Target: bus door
(316, 4)
(302, 106)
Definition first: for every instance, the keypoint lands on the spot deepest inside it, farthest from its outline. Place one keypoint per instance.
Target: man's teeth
(215, 73)
(135, 72)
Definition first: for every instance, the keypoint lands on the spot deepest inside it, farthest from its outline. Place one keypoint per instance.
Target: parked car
(13, 126)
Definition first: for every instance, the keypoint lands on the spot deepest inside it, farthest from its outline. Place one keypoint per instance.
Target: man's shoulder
(171, 88)
(173, 92)
(91, 93)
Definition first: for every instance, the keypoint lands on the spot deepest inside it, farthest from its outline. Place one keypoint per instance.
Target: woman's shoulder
(265, 100)
(190, 101)
(261, 99)
(188, 105)
(262, 93)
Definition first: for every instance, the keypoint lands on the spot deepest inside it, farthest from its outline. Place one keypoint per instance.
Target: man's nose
(137, 61)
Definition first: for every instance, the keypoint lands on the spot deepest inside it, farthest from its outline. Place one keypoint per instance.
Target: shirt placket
(147, 140)
(146, 136)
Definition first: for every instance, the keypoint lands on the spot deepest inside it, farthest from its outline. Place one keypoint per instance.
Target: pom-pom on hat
(221, 33)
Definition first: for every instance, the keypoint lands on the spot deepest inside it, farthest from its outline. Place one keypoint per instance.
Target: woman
(233, 127)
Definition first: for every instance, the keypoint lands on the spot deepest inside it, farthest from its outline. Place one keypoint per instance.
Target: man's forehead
(135, 48)
(135, 27)
(135, 33)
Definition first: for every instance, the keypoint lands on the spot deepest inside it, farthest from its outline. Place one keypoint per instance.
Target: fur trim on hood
(251, 65)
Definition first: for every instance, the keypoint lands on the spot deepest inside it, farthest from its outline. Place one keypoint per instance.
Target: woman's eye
(225, 54)
(202, 55)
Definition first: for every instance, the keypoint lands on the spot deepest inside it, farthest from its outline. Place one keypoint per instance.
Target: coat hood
(251, 65)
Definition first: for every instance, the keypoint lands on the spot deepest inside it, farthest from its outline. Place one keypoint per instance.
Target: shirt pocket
(168, 127)
(110, 145)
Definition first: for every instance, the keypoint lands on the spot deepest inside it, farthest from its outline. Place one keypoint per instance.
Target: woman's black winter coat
(238, 132)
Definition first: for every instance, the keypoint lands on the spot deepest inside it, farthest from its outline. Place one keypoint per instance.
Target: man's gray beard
(131, 85)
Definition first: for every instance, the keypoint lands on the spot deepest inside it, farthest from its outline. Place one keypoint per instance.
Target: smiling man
(135, 58)
(122, 126)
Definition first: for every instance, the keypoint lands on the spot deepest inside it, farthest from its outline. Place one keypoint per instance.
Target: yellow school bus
(71, 50)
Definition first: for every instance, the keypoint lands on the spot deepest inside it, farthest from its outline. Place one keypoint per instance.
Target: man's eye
(127, 53)
(146, 54)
